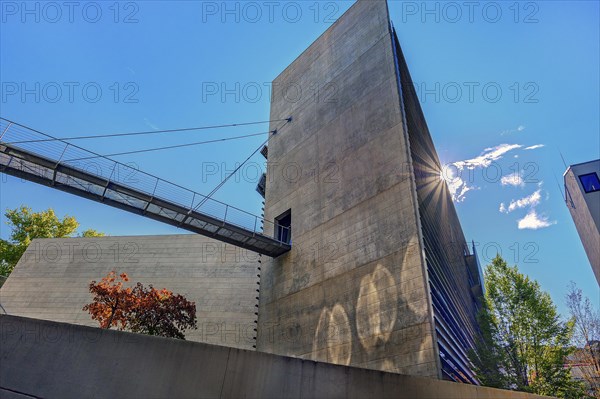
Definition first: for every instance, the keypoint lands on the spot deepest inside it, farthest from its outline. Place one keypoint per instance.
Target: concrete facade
(51, 280)
(354, 288)
(585, 210)
(45, 359)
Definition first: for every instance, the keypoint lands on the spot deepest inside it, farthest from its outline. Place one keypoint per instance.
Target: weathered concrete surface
(353, 289)
(56, 360)
(51, 280)
(585, 210)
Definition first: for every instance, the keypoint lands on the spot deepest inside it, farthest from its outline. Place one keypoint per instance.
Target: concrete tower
(374, 230)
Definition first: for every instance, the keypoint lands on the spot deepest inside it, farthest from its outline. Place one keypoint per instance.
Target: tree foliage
(112, 301)
(586, 339)
(27, 225)
(140, 309)
(524, 344)
(91, 233)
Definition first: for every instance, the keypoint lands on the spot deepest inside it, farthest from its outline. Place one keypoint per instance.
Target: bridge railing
(71, 155)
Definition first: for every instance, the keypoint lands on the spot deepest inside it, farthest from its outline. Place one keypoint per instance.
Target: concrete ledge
(40, 358)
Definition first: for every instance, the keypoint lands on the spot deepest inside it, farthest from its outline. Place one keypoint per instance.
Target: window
(590, 182)
(283, 227)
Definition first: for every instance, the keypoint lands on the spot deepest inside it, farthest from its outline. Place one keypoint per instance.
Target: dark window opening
(261, 187)
(265, 152)
(283, 227)
(590, 182)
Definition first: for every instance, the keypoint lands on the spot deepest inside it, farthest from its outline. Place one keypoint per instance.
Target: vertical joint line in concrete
(225, 374)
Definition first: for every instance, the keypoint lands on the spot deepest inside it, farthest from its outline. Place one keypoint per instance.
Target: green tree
(91, 233)
(27, 225)
(524, 343)
(488, 355)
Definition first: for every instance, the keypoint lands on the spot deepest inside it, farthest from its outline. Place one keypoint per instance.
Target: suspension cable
(98, 136)
(168, 147)
(222, 183)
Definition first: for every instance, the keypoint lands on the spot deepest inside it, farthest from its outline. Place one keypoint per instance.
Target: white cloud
(531, 200)
(519, 129)
(452, 173)
(534, 147)
(502, 207)
(457, 186)
(534, 221)
(488, 156)
(460, 195)
(515, 179)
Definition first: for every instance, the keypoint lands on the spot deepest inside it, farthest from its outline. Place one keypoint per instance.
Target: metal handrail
(156, 181)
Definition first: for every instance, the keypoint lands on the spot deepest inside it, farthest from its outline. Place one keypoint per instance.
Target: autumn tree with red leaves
(160, 312)
(112, 302)
(140, 309)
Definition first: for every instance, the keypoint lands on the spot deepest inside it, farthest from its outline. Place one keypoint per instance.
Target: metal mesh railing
(16, 136)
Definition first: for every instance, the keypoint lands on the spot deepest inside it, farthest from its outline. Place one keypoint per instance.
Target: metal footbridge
(47, 160)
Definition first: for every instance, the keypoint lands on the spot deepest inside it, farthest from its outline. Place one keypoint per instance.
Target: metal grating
(46, 160)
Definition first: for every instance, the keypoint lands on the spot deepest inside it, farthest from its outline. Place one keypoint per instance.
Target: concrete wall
(585, 210)
(352, 290)
(51, 280)
(56, 360)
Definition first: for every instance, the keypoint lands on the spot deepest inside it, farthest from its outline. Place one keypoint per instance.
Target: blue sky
(506, 88)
